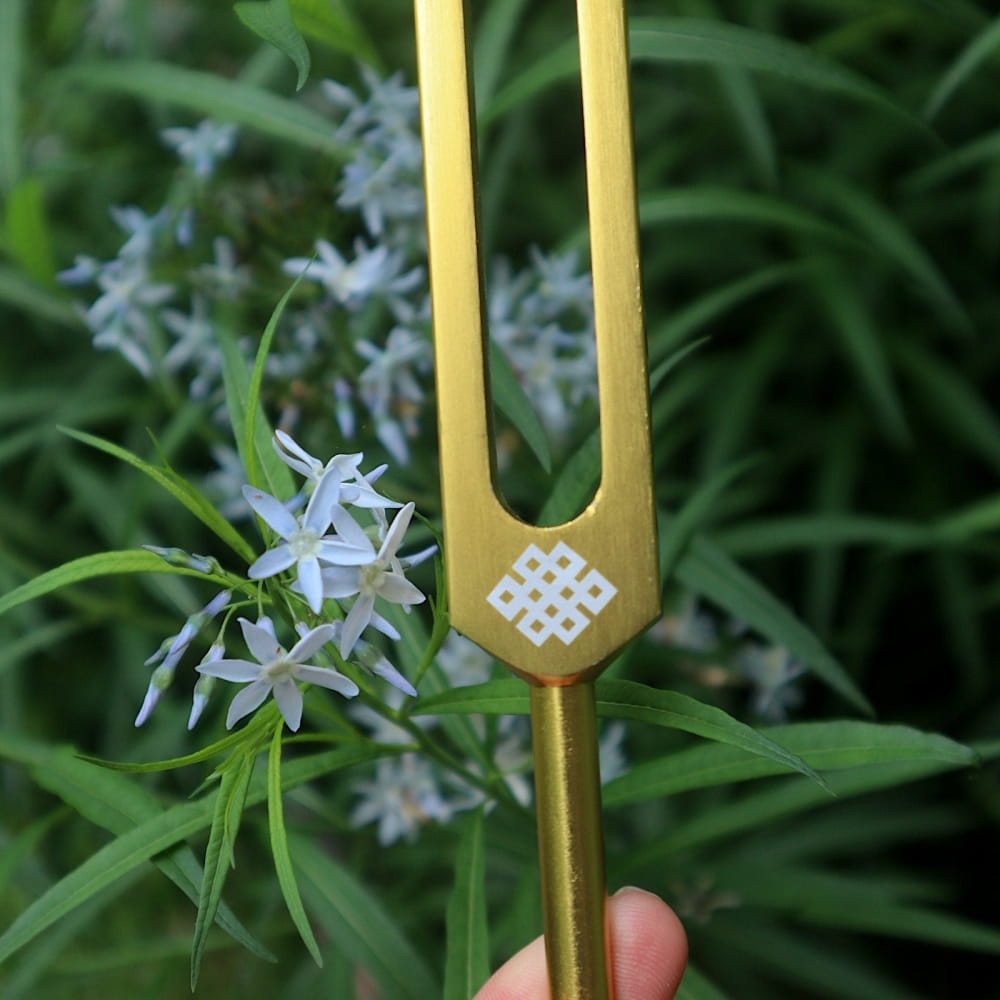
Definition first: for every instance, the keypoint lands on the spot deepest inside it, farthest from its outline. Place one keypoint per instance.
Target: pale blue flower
(277, 671)
(203, 146)
(304, 540)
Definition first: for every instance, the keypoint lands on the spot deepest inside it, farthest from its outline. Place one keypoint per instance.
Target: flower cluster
(354, 342)
(725, 656)
(346, 563)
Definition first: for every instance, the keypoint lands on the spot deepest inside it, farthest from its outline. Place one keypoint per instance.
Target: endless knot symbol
(551, 595)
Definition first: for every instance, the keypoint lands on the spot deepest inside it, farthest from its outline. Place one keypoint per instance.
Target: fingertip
(648, 945)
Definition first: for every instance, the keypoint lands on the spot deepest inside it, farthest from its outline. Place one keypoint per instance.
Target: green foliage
(819, 193)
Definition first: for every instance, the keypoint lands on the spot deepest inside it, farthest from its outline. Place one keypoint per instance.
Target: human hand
(648, 952)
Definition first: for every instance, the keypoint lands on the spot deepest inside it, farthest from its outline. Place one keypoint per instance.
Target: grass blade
(969, 60)
(467, 962)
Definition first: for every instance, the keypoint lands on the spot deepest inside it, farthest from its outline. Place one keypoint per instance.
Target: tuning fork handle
(570, 841)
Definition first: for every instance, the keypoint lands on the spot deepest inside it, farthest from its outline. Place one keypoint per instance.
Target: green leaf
(118, 805)
(880, 229)
(21, 292)
(279, 847)
(251, 431)
(576, 482)
(86, 568)
(695, 986)
(706, 570)
(467, 964)
(512, 401)
(178, 487)
(360, 926)
(27, 230)
(272, 21)
(982, 151)
(618, 699)
(857, 903)
(220, 853)
(825, 746)
(332, 23)
(687, 40)
(861, 340)
(969, 60)
(209, 94)
(151, 837)
(13, 45)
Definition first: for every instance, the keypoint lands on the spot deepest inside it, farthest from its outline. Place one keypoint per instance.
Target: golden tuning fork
(555, 602)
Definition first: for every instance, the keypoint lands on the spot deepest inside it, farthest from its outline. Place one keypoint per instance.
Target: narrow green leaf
(881, 229)
(861, 340)
(251, 430)
(467, 963)
(825, 746)
(27, 230)
(332, 23)
(360, 925)
(272, 21)
(740, 91)
(13, 44)
(257, 434)
(21, 292)
(118, 805)
(977, 519)
(810, 531)
(149, 838)
(209, 94)
(982, 151)
(715, 204)
(86, 568)
(512, 401)
(178, 487)
(854, 903)
(695, 986)
(691, 40)
(279, 847)
(220, 853)
(953, 400)
(969, 60)
(576, 482)
(494, 34)
(620, 699)
(676, 530)
(706, 570)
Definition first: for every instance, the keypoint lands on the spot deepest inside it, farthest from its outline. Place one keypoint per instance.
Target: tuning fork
(554, 603)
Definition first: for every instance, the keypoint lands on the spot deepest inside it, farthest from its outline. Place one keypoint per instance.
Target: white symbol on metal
(551, 595)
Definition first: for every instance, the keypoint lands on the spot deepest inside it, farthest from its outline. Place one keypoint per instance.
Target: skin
(648, 947)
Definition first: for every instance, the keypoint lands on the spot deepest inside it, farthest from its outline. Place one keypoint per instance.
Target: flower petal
(341, 581)
(342, 554)
(399, 590)
(384, 626)
(271, 510)
(394, 536)
(311, 582)
(355, 622)
(294, 455)
(384, 669)
(289, 699)
(330, 679)
(261, 641)
(249, 699)
(326, 494)
(240, 671)
(352, 532)
(271, 562)
(310, 642)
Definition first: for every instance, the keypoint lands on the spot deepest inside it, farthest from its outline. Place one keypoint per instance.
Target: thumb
(648, 955)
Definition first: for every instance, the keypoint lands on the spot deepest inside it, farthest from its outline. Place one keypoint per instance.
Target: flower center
(304, 542)
(277, 670)
(371, 578)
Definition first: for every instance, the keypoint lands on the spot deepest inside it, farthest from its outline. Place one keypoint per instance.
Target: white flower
(304, 540)
(464, 662)
(200, 147)
(355, 488)
(379, 574)
(402, 797)
(771, 671)
(277, 671)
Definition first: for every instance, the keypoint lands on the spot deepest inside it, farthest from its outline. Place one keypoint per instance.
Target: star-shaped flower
(380, 574)
(305, 543)
(277, 671)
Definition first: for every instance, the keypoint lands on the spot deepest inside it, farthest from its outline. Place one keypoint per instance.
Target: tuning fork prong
(554, 602)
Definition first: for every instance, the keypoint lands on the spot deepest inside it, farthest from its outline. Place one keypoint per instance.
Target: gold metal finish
(555, 603)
